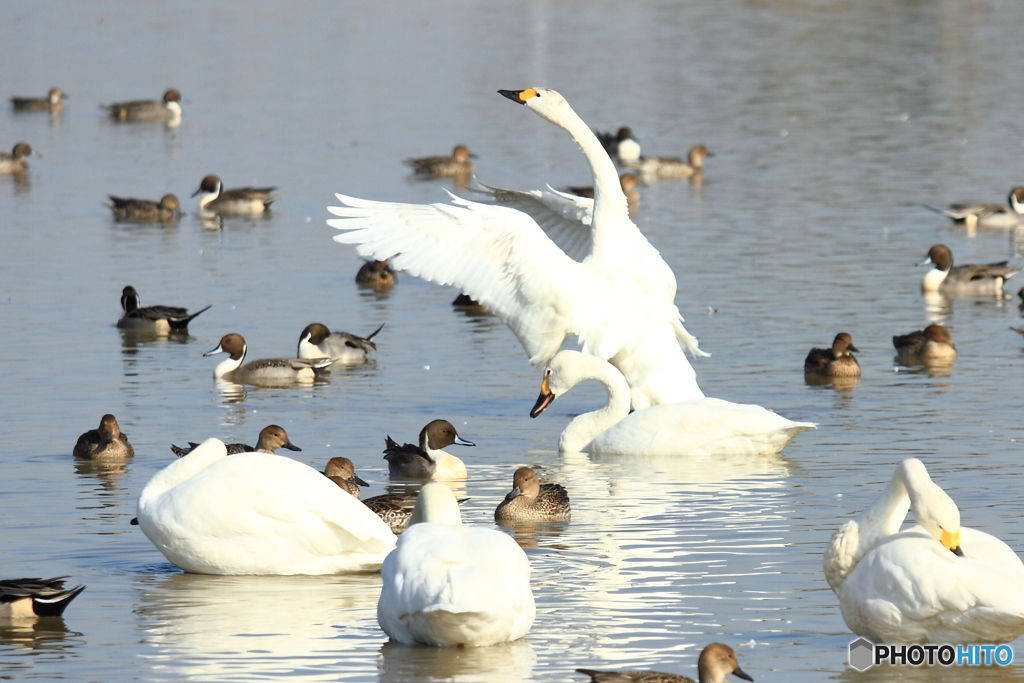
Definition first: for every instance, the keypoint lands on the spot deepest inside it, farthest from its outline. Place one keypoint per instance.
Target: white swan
(700, 426)
(257, 513)
(604, 282)
(450, 584)
(908, 587)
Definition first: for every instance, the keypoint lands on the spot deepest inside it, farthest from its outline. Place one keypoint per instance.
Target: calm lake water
(831, 121)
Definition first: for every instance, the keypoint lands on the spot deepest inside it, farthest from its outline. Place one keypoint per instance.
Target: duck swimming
(237, 201)
(672, 168)
(834, 362)
(715, 662)
(167, 111)
(937, 582)
(622, 145)
(428, 460)
(14, 163)
(963, 281)
(612, 289)
(979, 215)
(257, 513)
(107, 442)
(145, 210)
(702, 426)
(377, 275)
(160, 319)
(316, 341)
(270, 439)
(459, 163)
(265, 370)
(531, 501)
(449, 584)
(32, 598)
(932, 343)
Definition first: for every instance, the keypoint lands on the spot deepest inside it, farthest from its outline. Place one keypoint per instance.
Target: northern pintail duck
(450, 584)
(270, 439)
(395, 509)
(145, 210)
(316, 341)
(622, 145)
(988, 215)
(343, 473)
(716, 661)
(428, 460)
(377, 275)
(963, 281)
(265, 370)
(167, 110)
(107, 442)
(14, 162)
(51, 103)
(30, 598)
(156, 318)
(627, 181)
(834, 362)
(932, 343)
(459, 163)
(671, 168)
(238, 201)
(531, 501)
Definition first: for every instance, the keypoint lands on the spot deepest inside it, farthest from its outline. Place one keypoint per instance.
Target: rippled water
(832, 122)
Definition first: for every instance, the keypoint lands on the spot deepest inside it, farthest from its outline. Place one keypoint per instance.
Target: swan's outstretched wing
(497, 255)
(565, 218)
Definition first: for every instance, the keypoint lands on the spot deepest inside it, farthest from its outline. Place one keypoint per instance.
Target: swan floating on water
(258, 513)
(451, 584)
(700, 426)
(610, 288)
(937, 582)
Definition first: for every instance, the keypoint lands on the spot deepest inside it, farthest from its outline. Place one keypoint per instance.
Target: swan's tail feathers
(688, 341)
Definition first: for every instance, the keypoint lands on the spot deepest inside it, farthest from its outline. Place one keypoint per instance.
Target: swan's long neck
(584, 428)
(183, 469)
(609, 199)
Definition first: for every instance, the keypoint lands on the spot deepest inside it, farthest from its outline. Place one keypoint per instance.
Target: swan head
(567, 369)
(547, 103)
(932, 507)
(436, 504)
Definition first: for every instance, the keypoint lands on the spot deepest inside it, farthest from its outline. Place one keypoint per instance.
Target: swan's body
(908, 587)
(451, 584)
(963, 281)
(316, 341)
(257, 513)
(702, 426)
(604, 282)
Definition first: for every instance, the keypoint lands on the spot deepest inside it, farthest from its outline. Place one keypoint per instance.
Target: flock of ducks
(550, 264)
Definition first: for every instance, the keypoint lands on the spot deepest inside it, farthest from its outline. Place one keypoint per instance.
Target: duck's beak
(519, 96)
(740, 673)
(543, 400)
(853, 348)
(214, 351)
(459, 441)
(290, 446)
(926, 262)
(358, 481)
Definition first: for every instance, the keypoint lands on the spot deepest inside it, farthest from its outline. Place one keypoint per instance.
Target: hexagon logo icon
(862, 654)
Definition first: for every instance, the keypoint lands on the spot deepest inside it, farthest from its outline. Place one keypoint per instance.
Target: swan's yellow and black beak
(520, 96)
(951, 542)
(544, 400)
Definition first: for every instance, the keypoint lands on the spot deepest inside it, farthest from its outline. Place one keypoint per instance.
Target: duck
(977, 215)
(602, 282)
(715, 662)
(834, 362)
(316, 341)
(428, 460)
(106, 442)
(343, 473)
(270, 439)
(396, 509)
(672, 168)
(531, 501)
(14, 163)
(145, 210)
(700, 426)
(167, 110)
(160, 319)
(257, 513)
(459, 163)
(448, 584)
(32, 598)
(377, 275)
(937, 582)
(963, 281)
(51, 103)
(628, 182)
(238, 201)
(622, 145)
(265, 370)
(932, 343)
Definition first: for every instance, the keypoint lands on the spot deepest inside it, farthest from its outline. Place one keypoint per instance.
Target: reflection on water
(511, 662)
(24, 641)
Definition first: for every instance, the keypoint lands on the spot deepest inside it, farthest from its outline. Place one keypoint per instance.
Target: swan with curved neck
(602, 282)
(936, 582)
(701, 426)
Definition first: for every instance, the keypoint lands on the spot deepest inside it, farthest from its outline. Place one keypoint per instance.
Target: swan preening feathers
(604, 282)
(936, 582)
